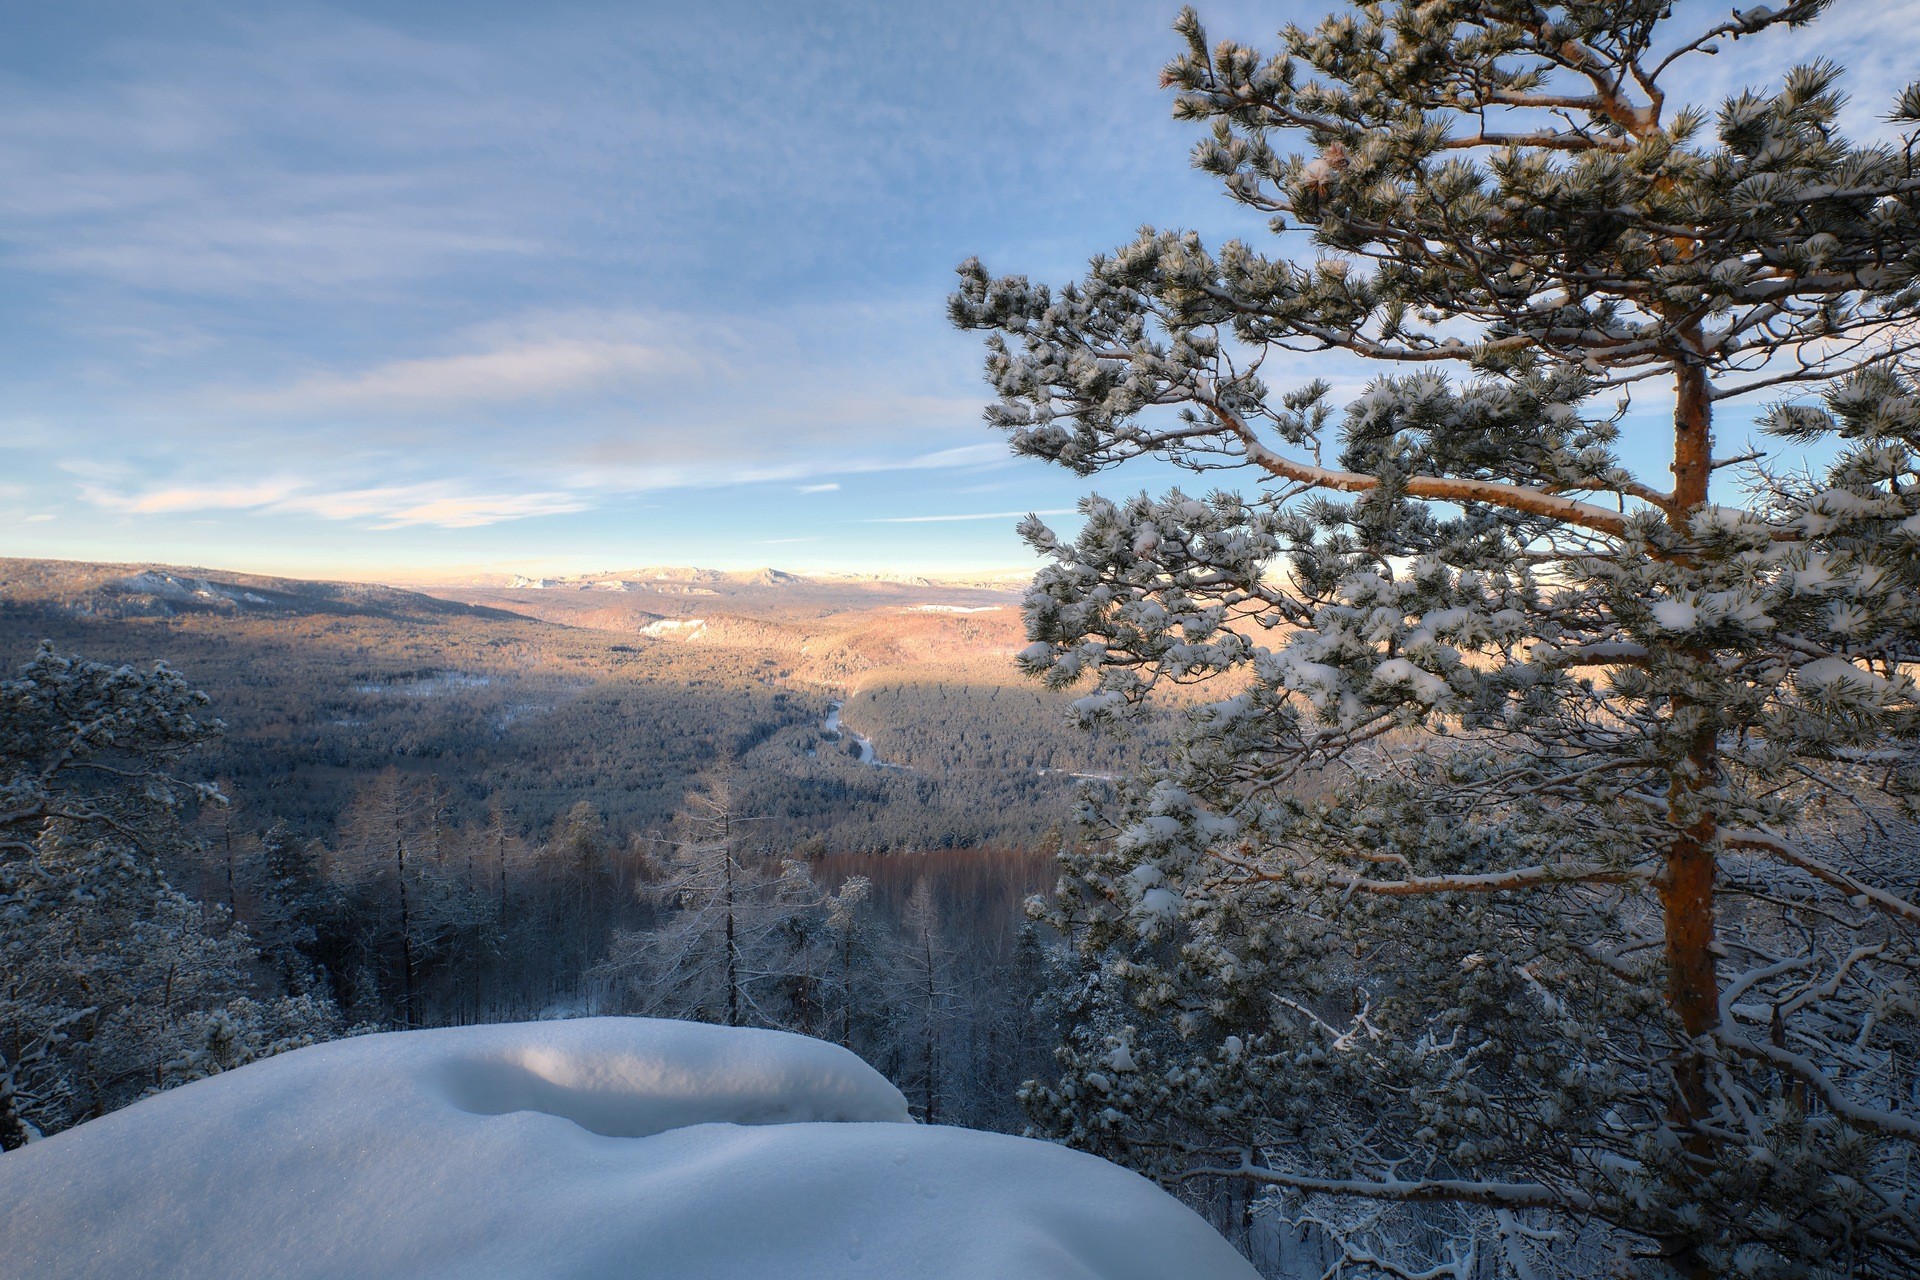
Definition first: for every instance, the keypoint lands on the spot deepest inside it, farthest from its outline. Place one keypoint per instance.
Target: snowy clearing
(434, 686)
(592, 1148)
(675, 628)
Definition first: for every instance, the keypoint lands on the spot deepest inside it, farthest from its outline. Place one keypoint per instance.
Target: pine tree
(926, 1000)
(415, 915)
(112, 982)
(726, 953)
(292, 906)
(855, 969)
(1490, 891)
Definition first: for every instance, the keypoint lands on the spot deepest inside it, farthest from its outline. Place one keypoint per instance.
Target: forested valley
(426, 812)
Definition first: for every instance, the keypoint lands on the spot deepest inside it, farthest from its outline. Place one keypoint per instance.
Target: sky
(399, 289)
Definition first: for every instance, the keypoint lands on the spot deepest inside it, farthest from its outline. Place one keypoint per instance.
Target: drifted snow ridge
(597, 1147)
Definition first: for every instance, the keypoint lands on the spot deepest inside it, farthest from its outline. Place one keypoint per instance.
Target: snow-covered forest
(1499, 855)
(208, 942)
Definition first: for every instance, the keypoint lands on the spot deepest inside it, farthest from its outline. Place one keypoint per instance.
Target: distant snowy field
(592, 1148)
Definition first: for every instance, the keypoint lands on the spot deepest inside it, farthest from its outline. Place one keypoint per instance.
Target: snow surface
(597, 1147)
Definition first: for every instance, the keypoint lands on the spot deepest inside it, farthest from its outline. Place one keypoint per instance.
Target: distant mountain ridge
(833, 627)
(145, 588)
(739, 606)
(158, 590)
(655, 577)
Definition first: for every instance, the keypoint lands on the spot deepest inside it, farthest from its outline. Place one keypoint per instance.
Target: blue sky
(357, 289)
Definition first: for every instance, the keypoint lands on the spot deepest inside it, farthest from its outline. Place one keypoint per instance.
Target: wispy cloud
(285, 264)
(189, 497)
(976, 515)
(167, 164)
(505, 374)
(398, 506)
(385, 506)
(966, 455)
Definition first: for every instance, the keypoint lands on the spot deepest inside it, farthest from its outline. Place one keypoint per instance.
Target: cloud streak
(977, 515)
(384, 506)
(167, 501)
(504, 375)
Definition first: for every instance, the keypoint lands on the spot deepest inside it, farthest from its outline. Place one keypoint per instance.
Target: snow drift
(596, 1147)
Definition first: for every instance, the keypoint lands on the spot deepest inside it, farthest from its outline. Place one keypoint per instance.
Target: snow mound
(598, 1147)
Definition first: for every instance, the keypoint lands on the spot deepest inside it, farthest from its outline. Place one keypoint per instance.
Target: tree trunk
(500, 852)
(1686, 900)
(1686, 882)
(406, 934)
(226, 838)
(14, 1133)
(733, 951)
(932, 1096)
(846, 989)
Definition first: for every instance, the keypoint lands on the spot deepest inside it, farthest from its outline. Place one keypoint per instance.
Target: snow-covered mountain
(662, 577)
(162, 591)
(593, 1148)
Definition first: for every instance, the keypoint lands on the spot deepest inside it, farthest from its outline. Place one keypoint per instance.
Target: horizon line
(541, 568)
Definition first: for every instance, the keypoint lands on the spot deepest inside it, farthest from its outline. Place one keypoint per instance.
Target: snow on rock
(598, 1147)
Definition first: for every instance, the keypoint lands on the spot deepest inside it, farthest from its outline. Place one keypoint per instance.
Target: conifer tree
(1491, 894)
(112, 982)
(418, 919)
(926, 999)
(292, 904)
(726, 952)
(854, 968)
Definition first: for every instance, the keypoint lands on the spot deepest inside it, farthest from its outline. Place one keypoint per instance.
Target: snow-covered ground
(173, 587)
(675, 628)
(434, 686)
(592, 1148)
